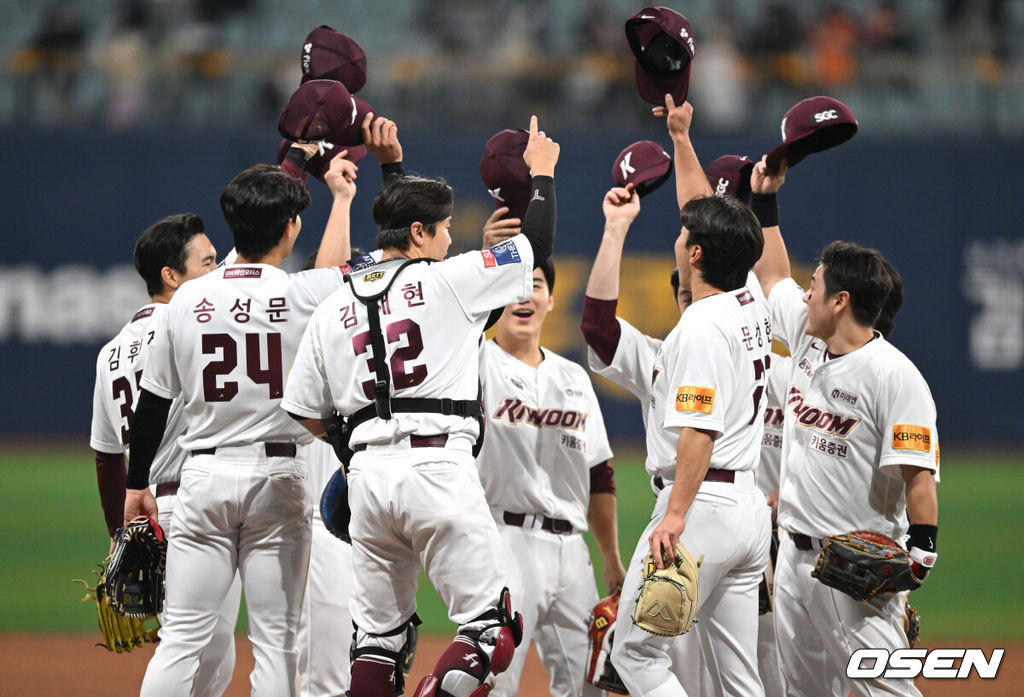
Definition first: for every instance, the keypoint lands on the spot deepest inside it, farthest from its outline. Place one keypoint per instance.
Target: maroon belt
(271, 449)
(713, 475)
(437, 441)
(167, 489)
(805, 543)
(555, 526)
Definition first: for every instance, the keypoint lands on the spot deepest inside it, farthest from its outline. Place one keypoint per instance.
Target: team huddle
(242, 392)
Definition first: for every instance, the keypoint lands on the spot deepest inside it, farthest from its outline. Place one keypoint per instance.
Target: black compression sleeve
(392, 169)
(148, 426)
(539, 222)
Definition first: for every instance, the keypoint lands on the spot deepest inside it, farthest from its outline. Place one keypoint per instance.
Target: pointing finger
(533, 125)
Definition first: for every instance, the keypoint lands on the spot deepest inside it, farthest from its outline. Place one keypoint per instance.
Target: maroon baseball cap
(327, 54)
(662, 43)
(319, 163)
(317, 110)
(504, 171)
(323, 110)
(812, 125)
(644, 164)
(729, 175)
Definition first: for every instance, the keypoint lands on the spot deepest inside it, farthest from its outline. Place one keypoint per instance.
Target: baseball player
(545, 471)
(223, 345)
(859, 451)
(396, 353)
(705, 416)
(325, 623)
(173, 250)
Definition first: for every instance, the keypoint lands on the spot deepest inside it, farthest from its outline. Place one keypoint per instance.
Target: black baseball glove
(134, 579)
(863, 564)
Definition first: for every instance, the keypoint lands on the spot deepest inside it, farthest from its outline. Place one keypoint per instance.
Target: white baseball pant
(552, 585)
(217, 660)
(238, 509)
(730, 524)
(819, 628)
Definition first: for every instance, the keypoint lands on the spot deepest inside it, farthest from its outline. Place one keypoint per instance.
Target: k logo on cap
(662, 43)
(504, 172)
(812, 125)
(644, 164)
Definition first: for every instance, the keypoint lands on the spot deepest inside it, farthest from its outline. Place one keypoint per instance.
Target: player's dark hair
(729, 235)
(163, 244)
(547, 267)
(893, 302)
(409, 199)
(862, 273)
(257, 205)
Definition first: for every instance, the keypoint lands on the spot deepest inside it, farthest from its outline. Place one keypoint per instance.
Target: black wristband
(922, 536)
(766, 208)
(392, 169)
(297, 156)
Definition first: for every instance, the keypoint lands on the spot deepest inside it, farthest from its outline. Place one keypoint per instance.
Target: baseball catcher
(600, 671)
(865, 563)
(130, 589)
(668, 597)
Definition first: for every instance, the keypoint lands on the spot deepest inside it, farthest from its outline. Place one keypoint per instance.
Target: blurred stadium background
(114, 113)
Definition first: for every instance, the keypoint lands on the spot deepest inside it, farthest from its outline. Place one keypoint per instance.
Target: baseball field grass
(53, 532)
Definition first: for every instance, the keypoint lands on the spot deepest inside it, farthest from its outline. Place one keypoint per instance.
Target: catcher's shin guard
(482, 649)
(380, 662)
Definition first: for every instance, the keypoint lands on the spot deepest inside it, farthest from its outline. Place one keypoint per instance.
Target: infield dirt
(70, 665)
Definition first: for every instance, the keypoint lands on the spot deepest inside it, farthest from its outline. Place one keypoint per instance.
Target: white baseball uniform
(768, 481)
(414, 503)
(544, 433)
(119, 369)
(710, 373)
(850, 422)
(631, 368)
(325, 625)
(224, 344)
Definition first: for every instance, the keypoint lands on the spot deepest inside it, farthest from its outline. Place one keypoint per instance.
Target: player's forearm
(603, 283)
(693, 456)
(773, 266)
(690, 180)
(110, 478)
(147, 432)
(541, 218)
(602, 517)
(336, 245)
(922, 499)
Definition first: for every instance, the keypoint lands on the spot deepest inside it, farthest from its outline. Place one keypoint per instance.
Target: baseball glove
(120, 634)
(668, 597)
(134, 578)
(600, 671)
(863, 564)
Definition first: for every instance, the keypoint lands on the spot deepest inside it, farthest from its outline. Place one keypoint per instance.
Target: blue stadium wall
(947, 214)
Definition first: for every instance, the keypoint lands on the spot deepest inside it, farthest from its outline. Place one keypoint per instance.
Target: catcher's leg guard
(380, 662)
(482, 649)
